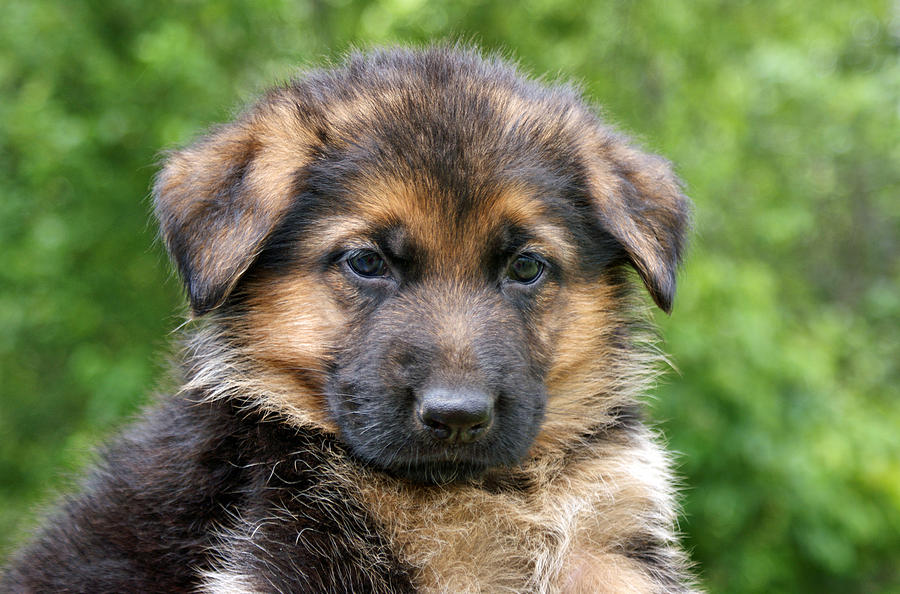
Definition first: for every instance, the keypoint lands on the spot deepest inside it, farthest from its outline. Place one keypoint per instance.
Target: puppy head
(420, 249)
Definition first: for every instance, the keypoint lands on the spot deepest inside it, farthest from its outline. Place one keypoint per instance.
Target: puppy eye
(367, 264)
(525, 269)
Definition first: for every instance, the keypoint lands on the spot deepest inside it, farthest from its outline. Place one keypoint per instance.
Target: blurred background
(783, 119)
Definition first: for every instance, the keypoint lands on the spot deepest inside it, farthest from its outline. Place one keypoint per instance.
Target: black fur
(149, 515)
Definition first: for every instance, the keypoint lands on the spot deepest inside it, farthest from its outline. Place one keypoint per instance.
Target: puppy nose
(454, 415)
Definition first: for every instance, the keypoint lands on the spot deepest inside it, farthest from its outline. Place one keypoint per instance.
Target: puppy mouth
(423, 459)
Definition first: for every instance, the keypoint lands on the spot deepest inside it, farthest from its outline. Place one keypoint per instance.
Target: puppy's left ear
(639, 201)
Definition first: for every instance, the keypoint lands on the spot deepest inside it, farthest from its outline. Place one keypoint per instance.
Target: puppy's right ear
(218, 200)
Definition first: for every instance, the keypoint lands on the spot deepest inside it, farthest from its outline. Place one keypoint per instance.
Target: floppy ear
(218, 200)
(639, 201)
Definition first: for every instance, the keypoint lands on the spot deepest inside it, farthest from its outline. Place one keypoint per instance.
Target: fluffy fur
(296, 457)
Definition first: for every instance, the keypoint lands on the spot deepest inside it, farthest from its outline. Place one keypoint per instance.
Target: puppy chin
(438, 473)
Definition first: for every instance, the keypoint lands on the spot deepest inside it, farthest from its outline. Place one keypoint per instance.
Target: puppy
(417, 352)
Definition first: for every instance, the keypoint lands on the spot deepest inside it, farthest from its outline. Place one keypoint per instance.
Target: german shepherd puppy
(417, 356)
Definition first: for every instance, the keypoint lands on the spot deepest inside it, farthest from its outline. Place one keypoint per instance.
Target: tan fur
(590, 373)
(564, 535)
(382, 200)
(289, 329)
(223, 372)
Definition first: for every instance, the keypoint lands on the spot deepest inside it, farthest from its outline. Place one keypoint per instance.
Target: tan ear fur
(218, 200)
(640, 202)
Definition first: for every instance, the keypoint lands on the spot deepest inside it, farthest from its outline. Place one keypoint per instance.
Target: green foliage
(782, 118)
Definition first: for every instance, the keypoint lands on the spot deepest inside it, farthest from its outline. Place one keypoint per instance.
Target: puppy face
(418, 251)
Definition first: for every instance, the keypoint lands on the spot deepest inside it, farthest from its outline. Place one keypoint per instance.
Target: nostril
(474, 432)
(439, 430)
(456, 415)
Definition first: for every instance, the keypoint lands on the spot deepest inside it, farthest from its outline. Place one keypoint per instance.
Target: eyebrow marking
(408, 222)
